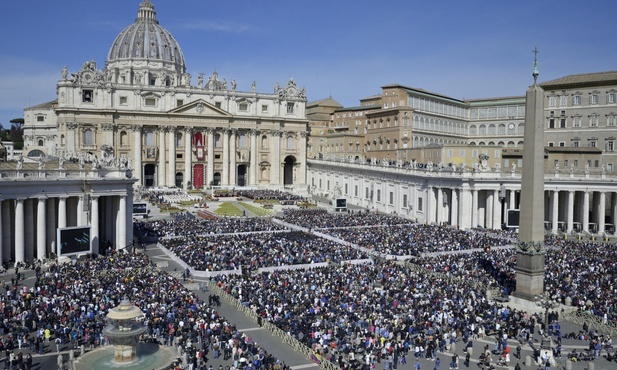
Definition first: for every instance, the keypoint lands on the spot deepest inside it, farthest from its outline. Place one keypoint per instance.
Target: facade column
(121, 237)
(439, 209)
(7, 230)
(171, 174)
(188, 157)
(601, 212)
(555, 211)
(474, 208)
(94, 223)
(29, 225)
(41, 229)
(50, 204)
(62, 212)
(210, 169)
(232, 157)
(20, 245)
(570, 219)
(586, 211)
(301, 179)
(275, 178)
(225, 174)
(454, 208)
(614, 211)
(162, 160)
(253, 164)
(496, 209)
(137, 155)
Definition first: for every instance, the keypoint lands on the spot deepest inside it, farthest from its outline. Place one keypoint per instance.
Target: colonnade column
(496, 209)
(137, 172)
(601, 212)
(439, 209)
(41, 229)
(454, 207)
(570, 219)
(474, 208)
(614, 211)
(121, 237)
(512, 201)
(162, 161)
(253, 164)
(1, 234)
(210, 169)
(586, 211)
(225, 174)
(302, 171)
(232, 159)
(555, 211)
(276, 160)
(188, 157)
(489, 208)
(171, 174)
(20, 246)
(50, 204)
(94, 223)
(62, 212)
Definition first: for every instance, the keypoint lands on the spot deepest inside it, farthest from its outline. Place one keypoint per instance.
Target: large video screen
(73, 240)
(140, 208)
(341, 203)
(513, 219)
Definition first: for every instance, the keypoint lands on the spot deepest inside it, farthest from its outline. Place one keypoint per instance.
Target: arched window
(41, 142)
(473, 130)
(501, 129)
(62, 140)
(291, 142)
(491, 129)
(242, 140)
(264, 142)
(179, 139)
(482, 130)
(217, 140)
(88, 137)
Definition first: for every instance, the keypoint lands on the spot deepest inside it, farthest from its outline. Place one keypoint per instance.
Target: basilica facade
(143, 109)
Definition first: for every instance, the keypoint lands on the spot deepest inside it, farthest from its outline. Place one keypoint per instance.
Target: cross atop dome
(146, 12)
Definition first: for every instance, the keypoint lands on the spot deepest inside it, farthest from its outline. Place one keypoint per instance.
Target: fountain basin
(150, 356)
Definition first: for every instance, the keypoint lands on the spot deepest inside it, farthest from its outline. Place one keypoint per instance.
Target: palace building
(143, 107)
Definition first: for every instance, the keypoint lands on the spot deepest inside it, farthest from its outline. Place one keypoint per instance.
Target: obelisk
(530, 250)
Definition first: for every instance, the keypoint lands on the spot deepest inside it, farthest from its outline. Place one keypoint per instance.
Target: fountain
(126, 352)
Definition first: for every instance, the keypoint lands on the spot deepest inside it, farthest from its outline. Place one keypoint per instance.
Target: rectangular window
(593, 144)
(593, 99)
(551, 101)
(150, 102)
(610, 146)
(575, 163)
(556, 163)
(551, 144)
(40, 118)
(576, 121)
(124, 100)
(179, 102)
(596, 163)
(391, 198)
(378, 195)
(462, 153)
(611, 120)
(611, 98)
(87, 96)
(346, 189)
(217, 156)
(355, 191)
(420, 204)
(563, 101)
(264, 108)
(328, 185)
(551, 123)
(609, 167)
(562, 144)
(290, 108)
(404, 200)
(576, 100)
(593, 120)
(217, 104)
(565, 163)
(576, 143)
(243, 107)
(562, 122)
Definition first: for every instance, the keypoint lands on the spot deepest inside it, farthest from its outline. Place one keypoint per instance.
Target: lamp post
(545, 302)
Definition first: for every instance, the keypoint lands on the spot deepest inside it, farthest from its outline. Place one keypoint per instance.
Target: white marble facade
(143, 105)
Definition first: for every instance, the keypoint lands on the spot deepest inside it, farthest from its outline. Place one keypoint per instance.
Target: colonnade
(28, 225)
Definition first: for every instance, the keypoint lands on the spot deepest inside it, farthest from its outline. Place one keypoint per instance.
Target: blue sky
(343, 49)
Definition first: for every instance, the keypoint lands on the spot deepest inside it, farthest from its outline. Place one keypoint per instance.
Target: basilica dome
(146, 40)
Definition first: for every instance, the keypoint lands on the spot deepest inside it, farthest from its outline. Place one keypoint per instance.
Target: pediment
(199, 108)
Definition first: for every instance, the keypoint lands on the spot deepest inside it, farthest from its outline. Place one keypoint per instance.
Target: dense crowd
(414, 239)
(266, 194)
(67, 304)
(363, 314)
(256, 250)
(187, 224)
(320, 218)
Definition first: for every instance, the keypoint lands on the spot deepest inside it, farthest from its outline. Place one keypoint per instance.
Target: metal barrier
(593, 322)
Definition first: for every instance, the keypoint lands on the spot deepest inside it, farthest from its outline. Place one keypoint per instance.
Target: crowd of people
(318, 218)
(357, 315)
(66, 306)
(250, 251)
(187, 224)
(267, 194)
(415, 239)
